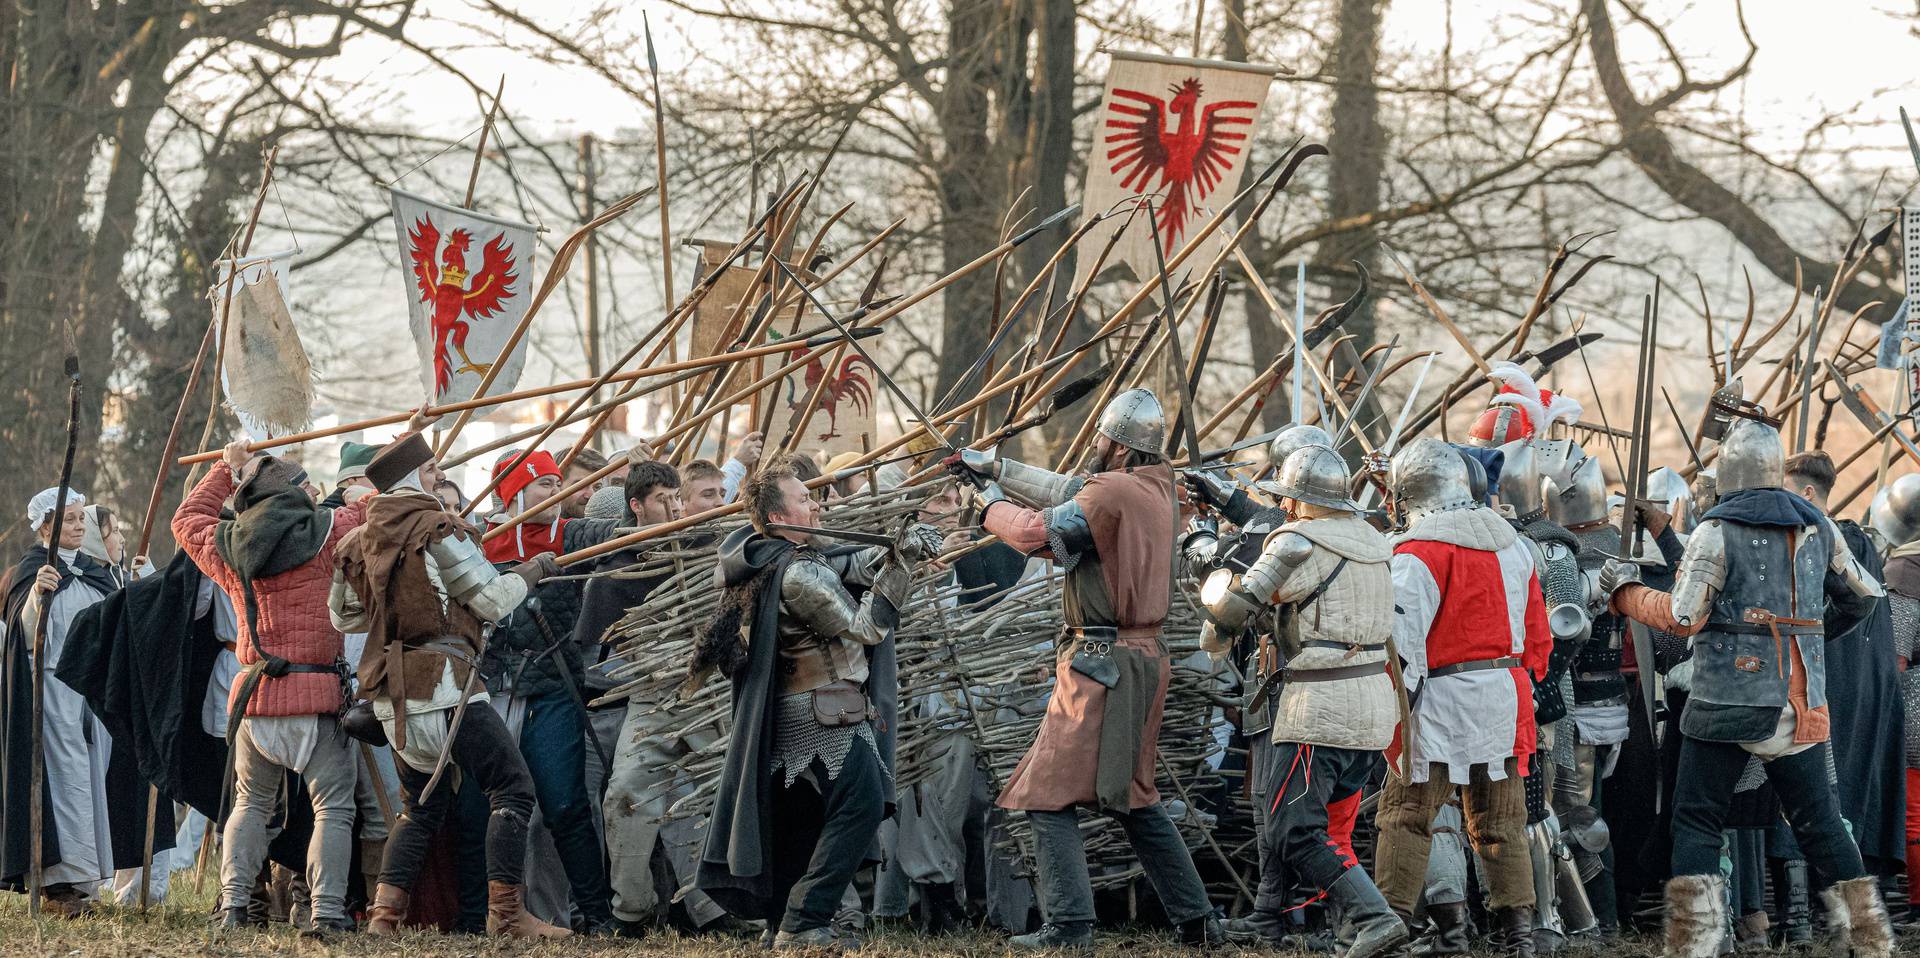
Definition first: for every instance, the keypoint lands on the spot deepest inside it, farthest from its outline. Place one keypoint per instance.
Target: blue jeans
(554, 744)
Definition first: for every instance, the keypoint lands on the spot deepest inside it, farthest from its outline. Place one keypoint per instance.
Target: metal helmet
(1577, 494)
(1666, 487)
(1476, 478)
(1317, 476)
(1290, 440)
(1751, 457)
(1135, 420)
(1896, 510)
(1430, 476)
(1294, 438)
(1520, 479)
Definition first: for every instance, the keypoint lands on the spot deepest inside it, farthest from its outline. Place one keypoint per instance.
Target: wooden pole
(226, 303)
(480, 149)
(36, 871)
(685, 365)
(593, 255)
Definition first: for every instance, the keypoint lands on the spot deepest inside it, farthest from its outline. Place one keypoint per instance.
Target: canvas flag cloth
(1900, 335)
(468, 282)
(1176, 132)
(264, 372)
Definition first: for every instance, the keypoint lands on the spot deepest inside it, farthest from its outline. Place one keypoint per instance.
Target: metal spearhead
(1048, 223)
(1077, 389)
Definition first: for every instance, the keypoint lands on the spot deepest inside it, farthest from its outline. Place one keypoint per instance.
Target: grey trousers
(257, 782)
(929, 829)
(1066, 889)
(640, 789)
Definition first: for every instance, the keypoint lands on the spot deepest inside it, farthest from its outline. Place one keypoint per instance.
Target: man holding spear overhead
(1099, 743)
(414, 580)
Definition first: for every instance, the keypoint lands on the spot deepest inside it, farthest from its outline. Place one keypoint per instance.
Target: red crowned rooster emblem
(1190, 160)
(457, 303)
(849, 384)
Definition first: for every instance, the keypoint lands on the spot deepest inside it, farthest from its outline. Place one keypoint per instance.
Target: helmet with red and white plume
(1516, 412)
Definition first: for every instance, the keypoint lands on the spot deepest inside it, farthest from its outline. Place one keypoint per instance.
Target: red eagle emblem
(456, 303)
(849, 383)
(1190, 160)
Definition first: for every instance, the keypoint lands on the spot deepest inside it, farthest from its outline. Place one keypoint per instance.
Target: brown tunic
(1099, 746)
(385, 563)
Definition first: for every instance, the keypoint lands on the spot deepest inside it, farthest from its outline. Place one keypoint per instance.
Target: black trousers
(1704, 788)
(820, 837)
(1312, 777)
(488, 759)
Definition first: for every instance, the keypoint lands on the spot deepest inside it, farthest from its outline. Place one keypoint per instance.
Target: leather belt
(1340, 646)
(1337, 673)
(1110, 633)
(1476, 665)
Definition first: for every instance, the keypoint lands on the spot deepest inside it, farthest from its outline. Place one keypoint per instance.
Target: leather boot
(1696, 916)
(1372, 925)
(1449, 933)
(1513, 931)
(1792, 901)
(1255, 928)
(387, 910)
(1063, 936)
(1858, 919)
(508, 918)
(1203, 932)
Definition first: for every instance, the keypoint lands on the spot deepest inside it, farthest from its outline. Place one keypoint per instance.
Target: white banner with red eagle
(468, 282)
(1174, 133)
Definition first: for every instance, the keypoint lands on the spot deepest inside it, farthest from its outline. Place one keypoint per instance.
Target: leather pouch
(839, 704)
(361, 725)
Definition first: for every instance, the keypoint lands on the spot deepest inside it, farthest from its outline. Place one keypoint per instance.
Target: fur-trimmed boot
(1857, 918)
(1696, 916)
(508, 918)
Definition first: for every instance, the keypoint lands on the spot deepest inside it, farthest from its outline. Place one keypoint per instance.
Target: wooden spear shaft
(734, 508)
(685, 365)
(480, 149)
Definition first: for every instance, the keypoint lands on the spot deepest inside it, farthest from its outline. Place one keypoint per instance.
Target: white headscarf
(41, 505)
(95, 544)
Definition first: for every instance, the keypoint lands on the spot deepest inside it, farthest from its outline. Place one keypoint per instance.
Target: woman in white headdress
(77, 851)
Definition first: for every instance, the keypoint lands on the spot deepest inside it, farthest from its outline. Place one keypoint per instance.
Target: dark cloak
(142, 662)
(735, 867)
(1863, 703)
(16, 726)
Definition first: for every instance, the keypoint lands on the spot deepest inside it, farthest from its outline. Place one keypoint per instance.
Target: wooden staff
(37, 873)
(480, 149)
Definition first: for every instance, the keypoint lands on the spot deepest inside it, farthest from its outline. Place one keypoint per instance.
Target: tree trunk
(969, 179)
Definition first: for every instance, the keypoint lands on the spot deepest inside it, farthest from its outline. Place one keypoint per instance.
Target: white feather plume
(1527, 396)
(1563, 408)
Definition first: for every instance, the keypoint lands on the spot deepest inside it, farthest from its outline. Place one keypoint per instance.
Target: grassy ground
(178, 932)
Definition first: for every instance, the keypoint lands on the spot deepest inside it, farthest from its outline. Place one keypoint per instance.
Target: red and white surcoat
(1467, 592)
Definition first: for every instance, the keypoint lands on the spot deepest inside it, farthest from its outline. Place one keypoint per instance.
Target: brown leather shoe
(388, 910)
(507, 918)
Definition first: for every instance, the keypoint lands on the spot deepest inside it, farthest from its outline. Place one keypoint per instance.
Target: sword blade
(849, 535)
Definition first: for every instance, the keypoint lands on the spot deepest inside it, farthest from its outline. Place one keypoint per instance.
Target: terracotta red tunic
(1123, 581)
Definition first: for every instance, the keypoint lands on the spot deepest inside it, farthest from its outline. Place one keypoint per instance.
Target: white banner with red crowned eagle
(1176, 133)
(469, 278)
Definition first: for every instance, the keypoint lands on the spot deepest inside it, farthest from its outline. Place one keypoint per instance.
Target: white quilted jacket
(1357, 607)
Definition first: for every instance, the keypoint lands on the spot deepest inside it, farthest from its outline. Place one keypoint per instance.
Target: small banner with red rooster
(468, 281)
(1173, 132)
(834, 394)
